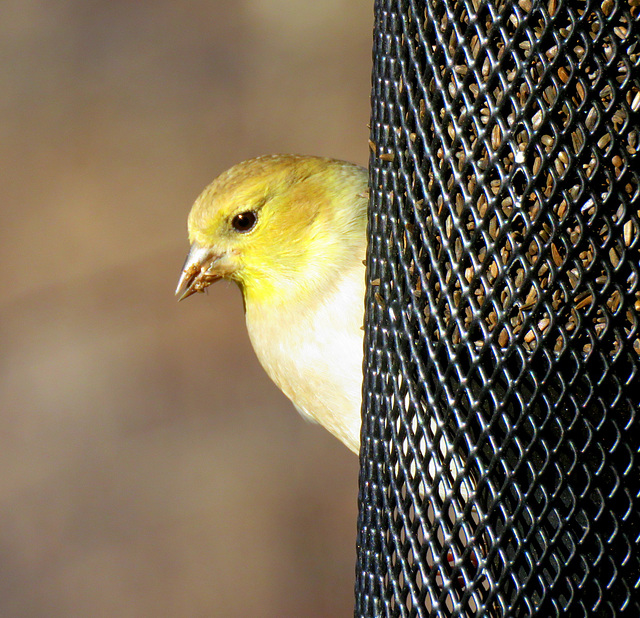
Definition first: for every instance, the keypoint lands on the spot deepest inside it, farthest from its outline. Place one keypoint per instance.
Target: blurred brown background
(147, 465)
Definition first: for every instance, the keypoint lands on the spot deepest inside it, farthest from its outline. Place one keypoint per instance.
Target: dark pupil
(244, 221)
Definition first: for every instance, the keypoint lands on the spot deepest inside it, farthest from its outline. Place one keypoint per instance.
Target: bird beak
(197, 272)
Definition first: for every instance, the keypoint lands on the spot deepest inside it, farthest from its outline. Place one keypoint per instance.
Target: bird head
(275, 224)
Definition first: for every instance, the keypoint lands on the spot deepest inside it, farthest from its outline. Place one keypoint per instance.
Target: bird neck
(300, 282)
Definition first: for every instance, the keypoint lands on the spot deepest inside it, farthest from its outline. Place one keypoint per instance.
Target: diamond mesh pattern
(500, 458)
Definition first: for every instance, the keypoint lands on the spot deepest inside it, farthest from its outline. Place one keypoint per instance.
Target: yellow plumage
(291, 231)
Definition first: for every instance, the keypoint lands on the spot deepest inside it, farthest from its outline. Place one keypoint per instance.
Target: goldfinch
(291, 232)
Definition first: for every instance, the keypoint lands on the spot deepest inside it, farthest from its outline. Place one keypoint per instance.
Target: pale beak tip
(186, 285)
(195, 276)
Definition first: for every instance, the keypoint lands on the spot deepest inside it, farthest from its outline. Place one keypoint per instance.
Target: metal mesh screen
(500, 463)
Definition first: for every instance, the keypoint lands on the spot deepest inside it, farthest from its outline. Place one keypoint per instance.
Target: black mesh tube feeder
(500, 457)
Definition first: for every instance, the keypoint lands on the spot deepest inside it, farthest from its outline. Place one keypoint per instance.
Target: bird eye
(245, 221)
